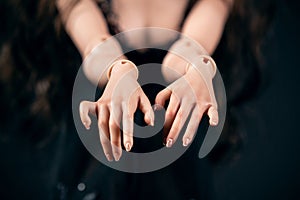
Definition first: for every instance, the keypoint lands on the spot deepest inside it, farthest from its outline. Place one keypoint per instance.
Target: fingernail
(152, 122)
(157, 107)
(169, 143)
(186, 142)
(128, 146)
(149, 115)
(86, 126)
(109, 158)
(117, 157)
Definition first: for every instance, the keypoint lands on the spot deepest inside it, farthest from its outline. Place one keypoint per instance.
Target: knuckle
(99, 104)
(158, 98)
(104, 140)
(82, 108)
(102, 121)
(112, 124)
(180, 114)
(128, 116)
(201, 107)
(176, 95)
(127, 134)
(170, 113)
(115, 142)
(142, 107)
(200, 103)
(114, 103)
(106, 147)
(82, 113)
(198, 114)
(124, 104)
(103, 101)
(83, 103)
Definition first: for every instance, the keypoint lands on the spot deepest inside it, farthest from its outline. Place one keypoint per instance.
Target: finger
(103, 116)
(161, 98)
(178, 122)
(192, 126)
(127, 127)
(169, 118)
(146, 108)
(114, 129)
(213, 116)
(86, 107)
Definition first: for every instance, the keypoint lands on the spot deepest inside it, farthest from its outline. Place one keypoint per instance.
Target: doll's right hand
(118, 102)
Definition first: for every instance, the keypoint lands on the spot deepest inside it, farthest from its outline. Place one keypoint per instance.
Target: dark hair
(241, 64)
(38, 64)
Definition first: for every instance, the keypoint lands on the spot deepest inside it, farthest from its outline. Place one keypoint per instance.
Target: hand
(191, 94)
(119, 102)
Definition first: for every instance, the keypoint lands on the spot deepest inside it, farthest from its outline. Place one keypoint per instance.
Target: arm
(206, 21)
(87, 28)
(192, 91)
(204, 25)
(84, 23)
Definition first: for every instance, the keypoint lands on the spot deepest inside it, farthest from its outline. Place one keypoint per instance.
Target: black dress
(63, 169)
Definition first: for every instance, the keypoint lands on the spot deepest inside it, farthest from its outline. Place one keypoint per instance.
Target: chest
(132, 14)
(145, 13)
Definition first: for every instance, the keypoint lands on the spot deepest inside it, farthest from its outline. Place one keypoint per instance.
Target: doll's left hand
(192, 94)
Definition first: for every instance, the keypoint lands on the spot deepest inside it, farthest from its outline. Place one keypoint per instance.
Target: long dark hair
(38, 64)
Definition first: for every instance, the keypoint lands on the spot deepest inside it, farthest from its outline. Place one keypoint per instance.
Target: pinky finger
(192, 126)
(213, 116)
(85, 108)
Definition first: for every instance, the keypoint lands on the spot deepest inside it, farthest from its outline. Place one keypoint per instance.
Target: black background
(270, 162)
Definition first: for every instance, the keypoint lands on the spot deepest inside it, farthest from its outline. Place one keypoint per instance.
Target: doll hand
(191, 94)
(119, 101)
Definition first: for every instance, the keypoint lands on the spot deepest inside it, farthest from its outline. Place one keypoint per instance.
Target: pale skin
(87, 27)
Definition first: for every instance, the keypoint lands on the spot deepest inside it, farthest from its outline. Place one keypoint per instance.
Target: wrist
(194, 54)
(121, 67)
(98, 60)
(204, 65)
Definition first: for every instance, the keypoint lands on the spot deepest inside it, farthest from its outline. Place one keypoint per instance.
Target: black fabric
(55, 170)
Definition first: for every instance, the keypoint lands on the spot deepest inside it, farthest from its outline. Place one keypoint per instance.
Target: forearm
(206, 21)
(87, 27)
(84, 23)
(204, 25)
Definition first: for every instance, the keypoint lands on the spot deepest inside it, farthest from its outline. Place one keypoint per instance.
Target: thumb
(146, 108)
(161, 98)
(85, 108)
